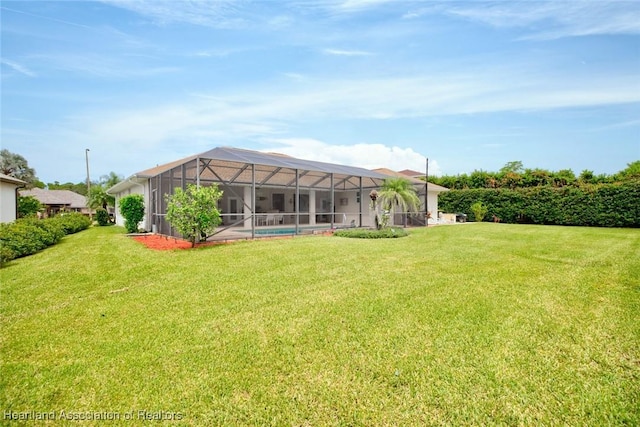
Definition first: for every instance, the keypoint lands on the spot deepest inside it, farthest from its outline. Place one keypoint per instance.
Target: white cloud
(103, 66)
(272, 111)
(358, 5)
(561, 18)
(19, 68)
(342, 52)
(22, 12)
(364, 155)
(218, 14)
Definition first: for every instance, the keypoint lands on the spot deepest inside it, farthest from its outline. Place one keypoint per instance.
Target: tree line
(514, 175)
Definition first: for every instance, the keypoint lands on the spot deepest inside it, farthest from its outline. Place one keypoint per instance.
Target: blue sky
(371, 83)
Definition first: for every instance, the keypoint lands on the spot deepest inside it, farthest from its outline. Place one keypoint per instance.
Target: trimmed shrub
(73, 222)
(51, 229)
(366, 233)
(132, 209)
(604, 205)
(479, 211)
(102, 216)
(29, 235)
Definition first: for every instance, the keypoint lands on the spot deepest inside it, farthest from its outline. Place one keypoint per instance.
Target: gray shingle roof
(57, 197)
(231, 165)
(238, 155)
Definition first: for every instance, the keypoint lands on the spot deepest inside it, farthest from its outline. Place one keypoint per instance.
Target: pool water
(281, 231)
(277, 231)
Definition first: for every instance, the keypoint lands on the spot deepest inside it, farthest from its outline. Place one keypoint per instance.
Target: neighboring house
(56, 201)
(419, 184)
(411, 173)
(9, 197)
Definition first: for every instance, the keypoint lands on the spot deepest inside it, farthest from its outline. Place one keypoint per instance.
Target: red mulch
(156, 241)
(164, 243)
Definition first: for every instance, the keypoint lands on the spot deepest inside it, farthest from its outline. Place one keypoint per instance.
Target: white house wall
(142, 189)
(8, 204)
(433, 205)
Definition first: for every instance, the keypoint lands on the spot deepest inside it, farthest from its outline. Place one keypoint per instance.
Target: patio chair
(270, 219)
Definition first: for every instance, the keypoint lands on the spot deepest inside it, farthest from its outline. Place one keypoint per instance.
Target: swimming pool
(283, 231)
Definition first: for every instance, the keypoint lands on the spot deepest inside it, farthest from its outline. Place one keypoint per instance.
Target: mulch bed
(158, 242)
(167, 243)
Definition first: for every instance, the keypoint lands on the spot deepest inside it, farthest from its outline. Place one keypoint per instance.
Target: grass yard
(478, 324)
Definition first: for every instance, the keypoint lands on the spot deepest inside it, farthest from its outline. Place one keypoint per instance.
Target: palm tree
(397, 192)
(98, 198)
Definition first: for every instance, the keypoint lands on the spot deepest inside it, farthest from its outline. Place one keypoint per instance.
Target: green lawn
(478, 324)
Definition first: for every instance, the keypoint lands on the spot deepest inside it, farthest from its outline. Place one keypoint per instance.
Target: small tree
(194, 211)
(132, 209)
(15, 165)
(27, 206)
(479, 211)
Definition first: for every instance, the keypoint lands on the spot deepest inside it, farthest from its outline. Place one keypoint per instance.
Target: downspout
(360, 207)
(253, 201)
(333, 206)
(297, 200)
(18, 195)
(426, 196)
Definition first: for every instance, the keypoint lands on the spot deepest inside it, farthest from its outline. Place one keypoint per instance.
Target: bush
(51, 229)
(20, 239)
(29, 235)
(194, 212)
(479, 211)
(132, 209)
(603, 205)
(365, 233)
(73, 222)
(102, 216)
(28, 206)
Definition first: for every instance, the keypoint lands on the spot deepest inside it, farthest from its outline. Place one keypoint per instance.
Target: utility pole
(86, 154)
(426, 195)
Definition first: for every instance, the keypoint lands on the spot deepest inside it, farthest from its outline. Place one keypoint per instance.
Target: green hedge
(29, 235)
(607, 205)
(364, 233)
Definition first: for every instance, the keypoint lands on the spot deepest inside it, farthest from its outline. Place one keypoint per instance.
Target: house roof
(57, 197)
(431, 186)
(11, 180)
(230, 164)
(411, 173)
(238, 155)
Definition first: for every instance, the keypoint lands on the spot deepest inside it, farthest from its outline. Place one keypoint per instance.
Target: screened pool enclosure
(261, 191)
